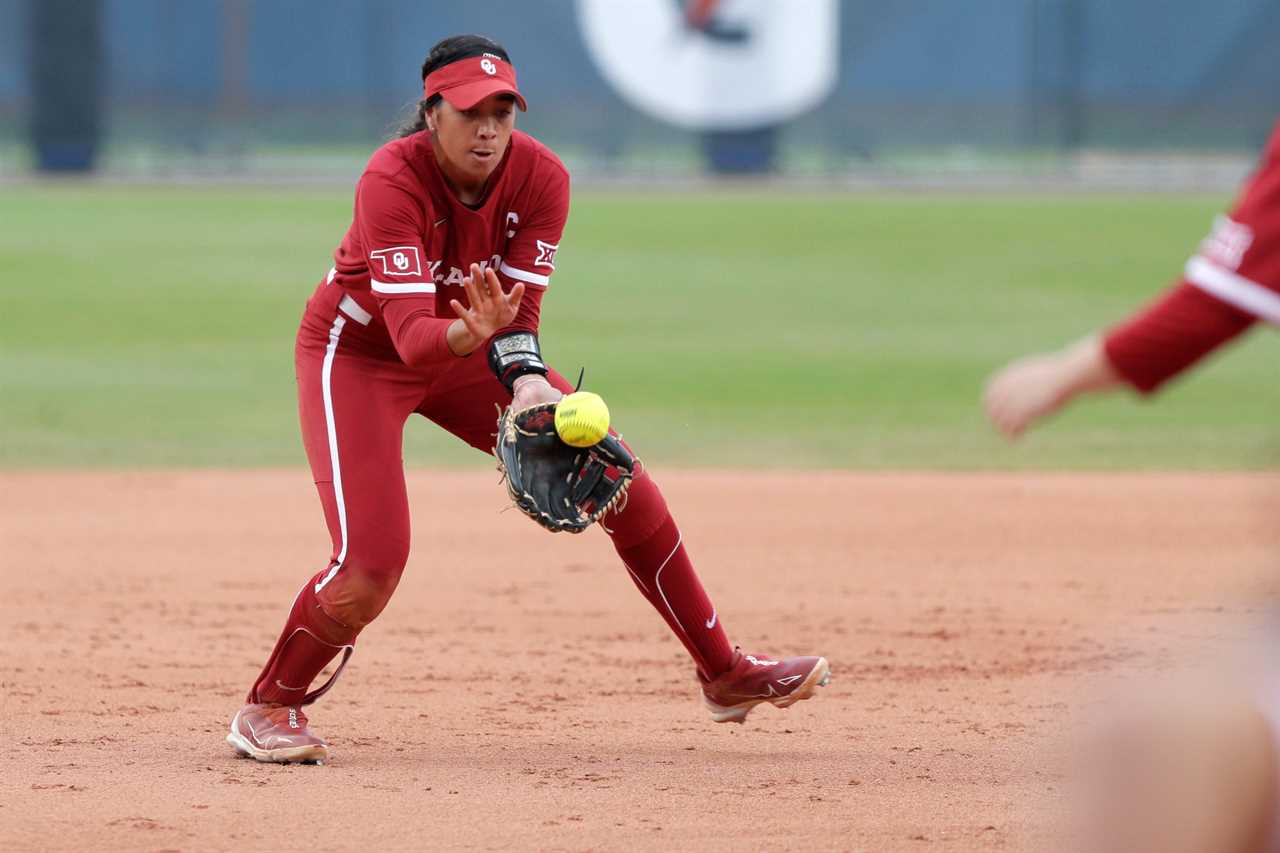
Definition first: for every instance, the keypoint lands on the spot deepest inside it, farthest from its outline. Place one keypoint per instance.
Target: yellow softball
(582, 419)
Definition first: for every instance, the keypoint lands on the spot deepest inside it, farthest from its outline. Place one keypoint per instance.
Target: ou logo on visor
(757, 63)
(488, 66)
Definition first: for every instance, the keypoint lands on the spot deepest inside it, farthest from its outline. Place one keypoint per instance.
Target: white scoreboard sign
(763, 62)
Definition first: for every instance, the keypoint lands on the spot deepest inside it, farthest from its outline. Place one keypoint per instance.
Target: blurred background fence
(304, 88)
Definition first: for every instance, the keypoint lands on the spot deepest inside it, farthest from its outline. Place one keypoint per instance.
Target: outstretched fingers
(489, 308)
(477, 293)
(493, 287)
(513, 298)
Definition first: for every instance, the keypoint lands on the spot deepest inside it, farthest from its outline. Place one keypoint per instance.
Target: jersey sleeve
(533, 242)
(392, 220)
(1231, 282)
(1182, 326)
(1239, 262)
(531, 251)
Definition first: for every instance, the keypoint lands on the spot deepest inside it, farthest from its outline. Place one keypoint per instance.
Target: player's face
(473, 141)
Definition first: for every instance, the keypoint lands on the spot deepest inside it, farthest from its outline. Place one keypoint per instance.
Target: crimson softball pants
(354, 399)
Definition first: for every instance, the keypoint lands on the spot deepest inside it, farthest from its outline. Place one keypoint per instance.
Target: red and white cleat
(753, 679)
(276, 734)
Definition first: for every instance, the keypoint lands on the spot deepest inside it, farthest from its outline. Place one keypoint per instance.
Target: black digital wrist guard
(513, 355)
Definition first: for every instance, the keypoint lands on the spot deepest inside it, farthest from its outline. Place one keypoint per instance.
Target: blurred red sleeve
(1171, 334)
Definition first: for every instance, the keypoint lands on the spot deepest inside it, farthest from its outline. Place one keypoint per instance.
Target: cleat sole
(315, 754)
(819, 676)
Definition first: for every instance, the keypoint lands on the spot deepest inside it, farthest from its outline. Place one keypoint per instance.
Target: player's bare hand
(490, 309)
(532, 389)
(1035, 387)
(1023, 392)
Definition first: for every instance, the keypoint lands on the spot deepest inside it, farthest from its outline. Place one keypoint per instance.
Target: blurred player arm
(1159, 342)
(1230, 284)
(1173, 333)
(1227, 286)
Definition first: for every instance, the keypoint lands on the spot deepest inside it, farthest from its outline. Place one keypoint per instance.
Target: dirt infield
(519, 693)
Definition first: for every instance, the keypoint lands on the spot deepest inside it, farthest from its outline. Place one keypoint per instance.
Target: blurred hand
(532, 389)
(1025, 391)
(1035, 387)
(490, 309)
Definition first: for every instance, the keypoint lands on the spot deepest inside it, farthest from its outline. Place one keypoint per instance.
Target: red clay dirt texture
(518, 693)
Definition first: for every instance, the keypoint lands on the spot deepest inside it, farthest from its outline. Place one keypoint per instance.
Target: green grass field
(154, 326)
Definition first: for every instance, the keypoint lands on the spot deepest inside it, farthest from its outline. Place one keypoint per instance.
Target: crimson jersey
(411, 240)
(1229, 284)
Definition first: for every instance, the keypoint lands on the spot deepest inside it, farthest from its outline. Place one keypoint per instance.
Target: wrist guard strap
(515, 354)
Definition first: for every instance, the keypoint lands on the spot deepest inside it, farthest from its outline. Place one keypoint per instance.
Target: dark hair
(446, 51)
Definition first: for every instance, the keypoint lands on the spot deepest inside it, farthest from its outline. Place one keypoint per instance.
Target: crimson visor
(469, 81)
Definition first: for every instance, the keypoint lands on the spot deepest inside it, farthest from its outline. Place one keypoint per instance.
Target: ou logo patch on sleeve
(399, 260)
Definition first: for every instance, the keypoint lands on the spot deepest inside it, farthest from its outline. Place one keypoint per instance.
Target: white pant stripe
(644, 586)
(326, 384)
(657, 581)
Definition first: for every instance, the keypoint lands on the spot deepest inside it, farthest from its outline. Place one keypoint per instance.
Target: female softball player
(1232, 282)
(1200, 773)
(431, 308)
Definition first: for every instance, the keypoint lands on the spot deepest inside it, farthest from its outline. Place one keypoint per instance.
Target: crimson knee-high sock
(309, 641)
(661, 569)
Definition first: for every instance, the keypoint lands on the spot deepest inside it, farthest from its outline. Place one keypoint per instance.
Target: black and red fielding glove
(558, 486)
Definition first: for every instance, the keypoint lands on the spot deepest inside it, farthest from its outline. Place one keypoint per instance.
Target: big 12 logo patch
(546, 255)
